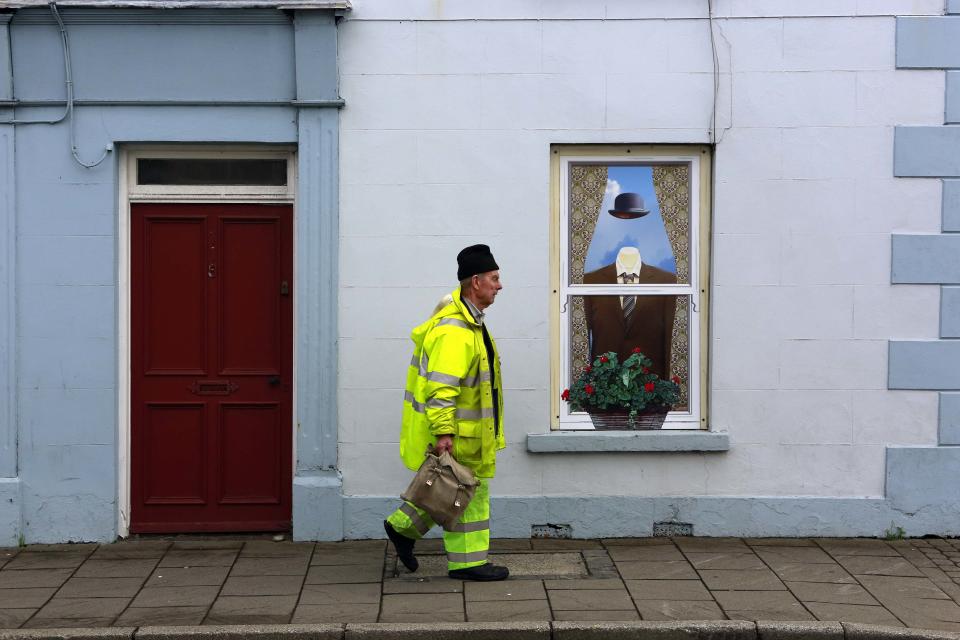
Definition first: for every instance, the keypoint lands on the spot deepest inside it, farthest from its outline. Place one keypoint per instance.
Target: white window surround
(573, 433)
(131, 192)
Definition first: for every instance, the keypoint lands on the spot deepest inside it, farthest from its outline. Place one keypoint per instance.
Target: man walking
(454, 400)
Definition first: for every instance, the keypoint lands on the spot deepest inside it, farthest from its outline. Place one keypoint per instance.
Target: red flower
(637, 350)
(587, 369)
(588, 389)
(566, 394)
(604, 359)
(646, 369)
(676, 379)
(648, 387)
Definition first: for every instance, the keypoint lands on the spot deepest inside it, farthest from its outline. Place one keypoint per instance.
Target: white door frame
(131, 192)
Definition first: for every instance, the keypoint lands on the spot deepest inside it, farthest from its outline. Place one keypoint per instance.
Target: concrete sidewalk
(251, 580)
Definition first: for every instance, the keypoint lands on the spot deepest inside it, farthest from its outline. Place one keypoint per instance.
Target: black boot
(481, 573)
(403, 546)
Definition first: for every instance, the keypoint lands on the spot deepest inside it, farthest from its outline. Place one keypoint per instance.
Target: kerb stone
(114, 633)
(768, 630)
(714, 630)
(243, 632)
(450, 631)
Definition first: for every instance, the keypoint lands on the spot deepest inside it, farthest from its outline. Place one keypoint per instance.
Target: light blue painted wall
(950, 312)
(951, 205)
(928, 42)
(926, 259)
(952, 109)
(66, 220)
(931, 364)
(926, 152)
(949, 433)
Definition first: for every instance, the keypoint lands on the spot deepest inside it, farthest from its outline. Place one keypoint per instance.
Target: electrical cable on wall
(68, 114)
(716, 78)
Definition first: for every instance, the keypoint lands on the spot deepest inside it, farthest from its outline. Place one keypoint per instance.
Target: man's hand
(444, 443)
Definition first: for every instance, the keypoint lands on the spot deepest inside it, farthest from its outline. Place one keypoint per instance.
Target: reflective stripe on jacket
(449, 391)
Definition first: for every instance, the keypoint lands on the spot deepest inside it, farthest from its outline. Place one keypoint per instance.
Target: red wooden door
(211, 365)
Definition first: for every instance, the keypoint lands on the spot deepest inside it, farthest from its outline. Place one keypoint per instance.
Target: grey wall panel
(156, 61)
(926, 152)
(953, 6)
(6, 63)
(951, 205)
(950, 312)
(8, 396)
(952, 109)
(928, 42)
(925, 259)
(923, 478)
(316, 55)
(924, 365)
(949, 419)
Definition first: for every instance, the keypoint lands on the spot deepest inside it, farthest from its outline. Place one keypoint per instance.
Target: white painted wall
(451, 108)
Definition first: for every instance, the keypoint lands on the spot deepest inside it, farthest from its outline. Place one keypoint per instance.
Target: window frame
(699, 157)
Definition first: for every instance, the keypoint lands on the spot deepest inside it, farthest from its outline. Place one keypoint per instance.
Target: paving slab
(144, 616)
(667, 590)
(546, 565)
(588, 583)
(748, 580)
(251, 610)
(26, 578)
(814, 573)
(572, 600)
(853, 613)
(208, 544)
(354, 556)
(270, 549)
(422, 585)
(594, 616)
(199, 558)
(779, 542)
(761, 605)
(262, 586)
(83, 608)
(344, 612)
(332, 594)
(856, 547)
(508, 611)
(176, 596)
(499, 545)
(722, 560)
(679, 610)
(131, 550)
(13, 618)
(28, 598)
(831, 593)
(46, 560)
(555, 544)
(636, 542)
(878, 566)
(343, 574)
(137, 568)
(779, 556)
(712, 545)
(439, 607)
(892, 588)
(83, 548)
(651, 553)
(68, 624)
(100, 588)
(282, 566)
(505, 590)
(926, 613)
(188, 577)
(667, 570)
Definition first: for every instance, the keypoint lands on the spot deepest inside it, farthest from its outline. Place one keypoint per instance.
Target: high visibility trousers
(469, 540)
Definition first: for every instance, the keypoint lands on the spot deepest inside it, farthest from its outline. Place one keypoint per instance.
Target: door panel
(249, 433)
(250, 288)
(211, 367)
(175, 300)
(173, 438)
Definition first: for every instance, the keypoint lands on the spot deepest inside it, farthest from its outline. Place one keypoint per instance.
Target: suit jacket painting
(651, 323)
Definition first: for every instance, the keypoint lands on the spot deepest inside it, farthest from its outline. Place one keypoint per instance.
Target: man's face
(485, 287)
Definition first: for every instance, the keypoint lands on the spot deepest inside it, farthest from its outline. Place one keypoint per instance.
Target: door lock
(284, 288)
(273, 381)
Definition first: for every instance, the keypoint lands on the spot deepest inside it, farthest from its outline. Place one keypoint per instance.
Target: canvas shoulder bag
(442, 487)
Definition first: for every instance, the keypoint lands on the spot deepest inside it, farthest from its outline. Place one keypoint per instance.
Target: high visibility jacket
(449, 391)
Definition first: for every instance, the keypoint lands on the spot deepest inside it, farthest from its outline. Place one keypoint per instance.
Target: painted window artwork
(629, 266)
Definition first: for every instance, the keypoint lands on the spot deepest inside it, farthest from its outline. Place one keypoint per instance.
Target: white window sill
(668, 440)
